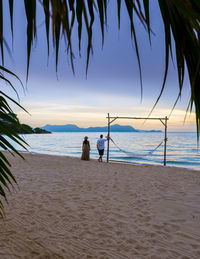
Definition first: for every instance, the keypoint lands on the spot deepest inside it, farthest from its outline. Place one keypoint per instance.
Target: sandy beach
(67, 208)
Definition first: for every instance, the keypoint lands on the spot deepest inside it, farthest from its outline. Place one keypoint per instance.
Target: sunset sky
(112, 83)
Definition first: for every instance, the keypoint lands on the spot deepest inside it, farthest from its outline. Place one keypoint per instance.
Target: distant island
(74, 128)
(26, 129)
(20, 128)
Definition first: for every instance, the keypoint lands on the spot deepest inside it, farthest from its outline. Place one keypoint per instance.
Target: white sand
(68, 208)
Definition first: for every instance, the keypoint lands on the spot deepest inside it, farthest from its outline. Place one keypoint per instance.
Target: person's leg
(102, 153)
(99, 159)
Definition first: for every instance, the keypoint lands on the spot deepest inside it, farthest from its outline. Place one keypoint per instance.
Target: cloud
(95, 115)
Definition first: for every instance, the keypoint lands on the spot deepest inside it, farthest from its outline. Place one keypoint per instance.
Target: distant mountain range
(74, 128)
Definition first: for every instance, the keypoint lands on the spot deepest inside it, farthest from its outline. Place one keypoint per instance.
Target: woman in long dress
(85, 149)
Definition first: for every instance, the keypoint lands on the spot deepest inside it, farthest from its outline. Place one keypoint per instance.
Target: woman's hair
(85, 141)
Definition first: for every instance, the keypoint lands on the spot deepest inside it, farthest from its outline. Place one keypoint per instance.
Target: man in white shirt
(100, 147)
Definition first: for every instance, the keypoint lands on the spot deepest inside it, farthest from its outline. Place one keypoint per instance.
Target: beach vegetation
(40, 131)
(9, 124)
(181, 21)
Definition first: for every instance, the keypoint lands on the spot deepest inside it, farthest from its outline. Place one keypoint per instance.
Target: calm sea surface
(181, 147)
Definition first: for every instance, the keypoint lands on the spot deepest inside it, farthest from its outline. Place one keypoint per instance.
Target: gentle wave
(181, 147)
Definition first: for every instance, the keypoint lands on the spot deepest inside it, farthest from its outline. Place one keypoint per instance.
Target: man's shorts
(101, 152)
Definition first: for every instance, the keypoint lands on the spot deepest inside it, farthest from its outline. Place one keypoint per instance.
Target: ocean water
(182, 150)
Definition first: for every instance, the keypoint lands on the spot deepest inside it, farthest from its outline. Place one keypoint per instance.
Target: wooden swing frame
(162, 120)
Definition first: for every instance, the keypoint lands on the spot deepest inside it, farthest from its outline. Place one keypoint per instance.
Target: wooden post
(165, 143)
(108, 135)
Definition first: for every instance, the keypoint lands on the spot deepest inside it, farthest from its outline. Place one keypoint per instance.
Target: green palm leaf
(8, 133)
(30, 8)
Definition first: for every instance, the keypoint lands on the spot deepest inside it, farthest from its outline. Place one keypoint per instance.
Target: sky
(112, 84)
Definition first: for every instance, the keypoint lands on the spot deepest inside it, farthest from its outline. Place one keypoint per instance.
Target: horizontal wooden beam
(137, 118)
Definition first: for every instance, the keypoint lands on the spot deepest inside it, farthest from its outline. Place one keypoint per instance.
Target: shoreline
(113, 161)
(64, 207)
(178, 154)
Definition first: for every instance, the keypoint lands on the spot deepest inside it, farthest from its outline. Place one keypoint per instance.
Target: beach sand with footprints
(67, 208)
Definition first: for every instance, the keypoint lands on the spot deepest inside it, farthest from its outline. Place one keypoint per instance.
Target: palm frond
(8, 134)
(182, 19)
(30, 8)
(11, 15)
(118, 12)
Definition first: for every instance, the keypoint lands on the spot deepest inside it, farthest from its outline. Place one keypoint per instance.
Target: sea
(128, 147)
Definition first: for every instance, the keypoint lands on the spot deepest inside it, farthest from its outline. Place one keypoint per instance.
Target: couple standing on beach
(86, 148)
